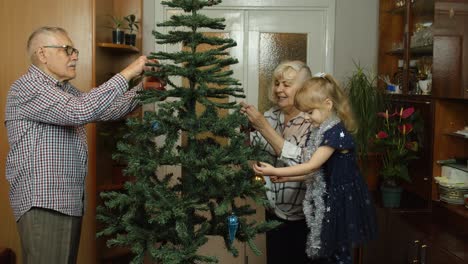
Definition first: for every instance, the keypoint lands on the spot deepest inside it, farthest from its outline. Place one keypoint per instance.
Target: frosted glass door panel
(275, 48)
(277, 35)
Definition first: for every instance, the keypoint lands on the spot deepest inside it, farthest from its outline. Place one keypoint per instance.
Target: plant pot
(391, 196)
(130, 39)
(118, 36)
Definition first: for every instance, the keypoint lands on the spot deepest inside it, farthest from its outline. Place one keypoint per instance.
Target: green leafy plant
(398, 141)
(366, 99)
(117, 22)
(132, 23)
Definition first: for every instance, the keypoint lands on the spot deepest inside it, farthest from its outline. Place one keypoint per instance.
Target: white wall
(148, 25)
(356, 34)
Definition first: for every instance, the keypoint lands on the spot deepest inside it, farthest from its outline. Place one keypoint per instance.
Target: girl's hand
(279, 179)
(263, 169)
(256, 118)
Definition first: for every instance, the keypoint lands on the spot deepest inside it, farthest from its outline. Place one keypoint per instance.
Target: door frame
(328, 6)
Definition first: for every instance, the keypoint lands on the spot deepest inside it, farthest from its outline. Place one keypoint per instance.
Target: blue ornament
(155, 126)
(233, 223)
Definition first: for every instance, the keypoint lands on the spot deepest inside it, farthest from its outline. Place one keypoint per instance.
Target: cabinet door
(437, 255)
(450, 62)
(398, 240)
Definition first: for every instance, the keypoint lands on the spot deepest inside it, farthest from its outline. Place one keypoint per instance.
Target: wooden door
(450, 62)
(266, 32)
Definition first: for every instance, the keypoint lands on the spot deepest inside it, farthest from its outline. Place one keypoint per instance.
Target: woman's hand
(256, 118)
(260, 123)
(263, 169)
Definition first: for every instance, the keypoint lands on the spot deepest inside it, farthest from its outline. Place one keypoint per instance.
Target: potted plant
(398, 143)
(365, 99)
(118, 34)
(130, 39)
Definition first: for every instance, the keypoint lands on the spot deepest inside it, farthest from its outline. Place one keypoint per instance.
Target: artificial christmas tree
(164, 217)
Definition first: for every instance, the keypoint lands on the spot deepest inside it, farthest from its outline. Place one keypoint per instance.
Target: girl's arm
(278, 179)
(316, 161)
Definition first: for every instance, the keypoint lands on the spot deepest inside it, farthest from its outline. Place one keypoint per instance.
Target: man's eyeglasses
(68, 49)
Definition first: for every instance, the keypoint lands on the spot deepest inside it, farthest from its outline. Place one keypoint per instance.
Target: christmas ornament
(155, 126)
(233, 223)
(153, 83)
(259, 178)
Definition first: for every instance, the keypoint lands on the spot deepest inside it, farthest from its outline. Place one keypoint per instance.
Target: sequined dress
(349, 217)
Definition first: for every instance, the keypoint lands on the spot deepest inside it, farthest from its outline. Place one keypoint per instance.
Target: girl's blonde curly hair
(316, 90)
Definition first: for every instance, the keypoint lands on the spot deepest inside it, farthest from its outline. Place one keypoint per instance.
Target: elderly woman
(283, 131)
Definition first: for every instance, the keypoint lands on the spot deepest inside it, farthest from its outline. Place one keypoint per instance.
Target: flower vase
(391, 196)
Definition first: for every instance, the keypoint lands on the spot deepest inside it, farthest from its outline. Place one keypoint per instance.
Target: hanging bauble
(233, 223)
(258, 178)
(154, 83)
(155, 126)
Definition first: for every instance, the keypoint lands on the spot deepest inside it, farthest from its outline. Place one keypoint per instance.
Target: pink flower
(413, 145)
(405, 128)
(396, 143)
(407, 112)
(381, 135)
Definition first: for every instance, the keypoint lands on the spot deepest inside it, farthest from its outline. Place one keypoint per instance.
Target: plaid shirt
(47, 162)
(286, 198)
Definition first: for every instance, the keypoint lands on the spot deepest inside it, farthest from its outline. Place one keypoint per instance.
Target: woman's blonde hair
(316, 90)
(284, 71)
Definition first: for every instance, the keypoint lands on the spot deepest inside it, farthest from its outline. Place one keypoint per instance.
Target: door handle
(413, 254)
(423, 252)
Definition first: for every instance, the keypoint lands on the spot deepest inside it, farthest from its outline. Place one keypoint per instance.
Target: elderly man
(47, 162)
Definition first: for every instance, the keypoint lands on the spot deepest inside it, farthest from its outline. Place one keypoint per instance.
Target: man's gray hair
(43, 30)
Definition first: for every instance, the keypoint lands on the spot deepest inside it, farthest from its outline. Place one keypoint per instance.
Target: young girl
(338, 209)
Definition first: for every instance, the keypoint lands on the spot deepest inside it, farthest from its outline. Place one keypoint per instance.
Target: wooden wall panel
(20, 18)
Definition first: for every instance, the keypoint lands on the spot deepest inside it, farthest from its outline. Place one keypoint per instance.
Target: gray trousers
(49, 237)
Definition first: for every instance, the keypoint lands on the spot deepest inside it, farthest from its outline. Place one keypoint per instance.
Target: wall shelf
(458, 166)
(422, 7)
(120, 47)
(453, 134)
(415, 51)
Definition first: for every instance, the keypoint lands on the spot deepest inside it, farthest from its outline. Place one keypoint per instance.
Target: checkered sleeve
(122, 105)
(42, 102)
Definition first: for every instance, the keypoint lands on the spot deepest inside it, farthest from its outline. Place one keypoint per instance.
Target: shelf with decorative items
(425, 38)
(406, 46)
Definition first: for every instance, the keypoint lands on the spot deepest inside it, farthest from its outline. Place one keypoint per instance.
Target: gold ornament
(259, 178)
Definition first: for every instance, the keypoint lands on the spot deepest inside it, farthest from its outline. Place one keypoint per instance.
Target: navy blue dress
(349, 218)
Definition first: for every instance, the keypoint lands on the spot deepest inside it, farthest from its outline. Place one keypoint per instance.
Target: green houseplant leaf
(366, 100)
